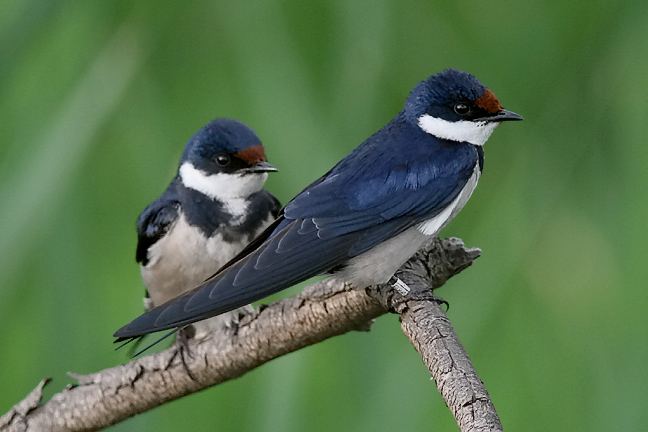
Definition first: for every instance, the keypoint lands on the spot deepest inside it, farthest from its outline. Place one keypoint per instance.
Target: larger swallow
(368, 215)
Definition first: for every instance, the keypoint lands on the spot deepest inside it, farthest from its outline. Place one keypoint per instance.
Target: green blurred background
(99, 98)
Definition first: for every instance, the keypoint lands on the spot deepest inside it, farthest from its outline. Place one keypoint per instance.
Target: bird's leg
(400, 286)
(421, 295)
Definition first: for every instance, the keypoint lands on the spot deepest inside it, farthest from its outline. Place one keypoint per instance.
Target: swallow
(214, 207)
(369, 214)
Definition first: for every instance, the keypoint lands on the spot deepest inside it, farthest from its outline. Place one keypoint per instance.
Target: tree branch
(428, 328)
(322, 310)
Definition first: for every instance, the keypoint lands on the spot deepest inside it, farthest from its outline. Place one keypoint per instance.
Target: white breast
(184, 258)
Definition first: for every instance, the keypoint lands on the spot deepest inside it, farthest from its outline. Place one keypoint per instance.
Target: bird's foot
(230, 324)
(419, 295)
(429, 296)
(227, 325)
(182, 349)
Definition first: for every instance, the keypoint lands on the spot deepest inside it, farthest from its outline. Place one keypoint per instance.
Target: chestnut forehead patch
(489, 102)
(253, 154)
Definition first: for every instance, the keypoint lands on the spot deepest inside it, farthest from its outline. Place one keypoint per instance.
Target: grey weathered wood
(322, 310)
(428, 328)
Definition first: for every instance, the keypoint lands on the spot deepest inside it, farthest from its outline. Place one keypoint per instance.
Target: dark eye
(222, 159)
(461, 108)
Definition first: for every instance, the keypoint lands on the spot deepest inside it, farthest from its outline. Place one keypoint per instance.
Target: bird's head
(225, 159)
(456, 106)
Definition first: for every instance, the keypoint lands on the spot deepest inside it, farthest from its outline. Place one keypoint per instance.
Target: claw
(181, 346)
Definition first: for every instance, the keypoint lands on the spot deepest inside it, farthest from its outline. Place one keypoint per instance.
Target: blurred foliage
(98, 99)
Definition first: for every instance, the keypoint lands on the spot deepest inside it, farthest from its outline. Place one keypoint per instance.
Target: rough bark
(322, 310)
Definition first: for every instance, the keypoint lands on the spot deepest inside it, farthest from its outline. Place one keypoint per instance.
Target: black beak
(503, 115)
(261, 167)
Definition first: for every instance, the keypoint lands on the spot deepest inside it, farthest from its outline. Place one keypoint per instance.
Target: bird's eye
(222, 159)
(461, 108)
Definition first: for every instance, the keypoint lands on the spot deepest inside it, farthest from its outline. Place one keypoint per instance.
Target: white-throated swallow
(369, 214)
(212, 209)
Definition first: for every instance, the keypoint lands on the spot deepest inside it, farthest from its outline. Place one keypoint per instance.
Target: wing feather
(343, 214)
(154, 222)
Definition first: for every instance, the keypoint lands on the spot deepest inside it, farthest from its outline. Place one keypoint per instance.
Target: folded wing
(334, 219)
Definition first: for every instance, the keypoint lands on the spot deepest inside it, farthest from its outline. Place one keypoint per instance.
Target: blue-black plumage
(366, 216)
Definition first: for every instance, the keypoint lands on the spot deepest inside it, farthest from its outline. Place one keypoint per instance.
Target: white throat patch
(463, 131)
(222, 187)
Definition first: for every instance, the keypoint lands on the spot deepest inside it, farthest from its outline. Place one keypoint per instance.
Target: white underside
(183, 259)
(436, 224)
(476, 133)
(379, 264)
(230, 189)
